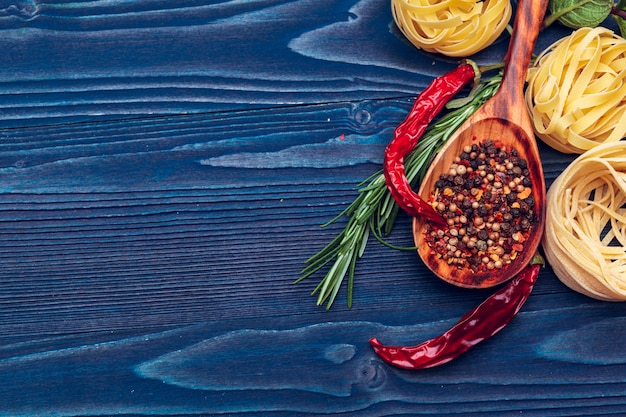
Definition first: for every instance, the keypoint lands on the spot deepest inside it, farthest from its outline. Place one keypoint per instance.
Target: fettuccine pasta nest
(585, 235)
(456, 28)
(576, 92)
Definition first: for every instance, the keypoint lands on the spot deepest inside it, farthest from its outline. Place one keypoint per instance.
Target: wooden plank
(69, 61)
(164, 171)
(127, 245)
(160, 209)
(76, 61)
(282, 367)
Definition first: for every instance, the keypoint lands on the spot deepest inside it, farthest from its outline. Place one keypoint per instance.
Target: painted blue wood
(73, 61)
(164, 170)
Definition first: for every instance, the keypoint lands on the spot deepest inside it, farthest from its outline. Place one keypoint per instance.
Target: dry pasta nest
(585, 235)
(456, 28)
(576, 93)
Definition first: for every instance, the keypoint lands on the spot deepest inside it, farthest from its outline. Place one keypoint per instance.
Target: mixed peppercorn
(486, 201)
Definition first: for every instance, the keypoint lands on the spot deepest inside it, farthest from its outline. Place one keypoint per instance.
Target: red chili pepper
(427, 105)
(479, 324)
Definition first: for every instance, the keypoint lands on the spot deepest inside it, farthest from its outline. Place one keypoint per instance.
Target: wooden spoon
(503, 118)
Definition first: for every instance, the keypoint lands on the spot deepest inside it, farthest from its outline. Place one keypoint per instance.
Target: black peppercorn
(483, 234)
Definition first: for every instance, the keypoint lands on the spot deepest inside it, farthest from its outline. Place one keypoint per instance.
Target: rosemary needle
(374, 211)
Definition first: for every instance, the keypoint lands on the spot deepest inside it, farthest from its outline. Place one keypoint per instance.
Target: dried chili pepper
(427, 105)
(491, 316)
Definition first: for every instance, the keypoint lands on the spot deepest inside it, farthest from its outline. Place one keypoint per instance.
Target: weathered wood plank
(284, 366)
(164, 169)
(126, 241)
(148, 218)
(73, 61)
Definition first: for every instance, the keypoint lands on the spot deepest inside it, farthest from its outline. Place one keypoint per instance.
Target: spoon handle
(528, 23)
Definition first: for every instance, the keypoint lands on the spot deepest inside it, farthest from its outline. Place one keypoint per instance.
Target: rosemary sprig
(374, 209)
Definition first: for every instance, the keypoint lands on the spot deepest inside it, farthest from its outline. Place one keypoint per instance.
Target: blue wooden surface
(164, 170)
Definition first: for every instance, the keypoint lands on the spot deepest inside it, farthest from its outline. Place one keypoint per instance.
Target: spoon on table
(502, 118)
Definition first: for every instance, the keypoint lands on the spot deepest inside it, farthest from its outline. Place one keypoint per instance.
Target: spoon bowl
(502, 118)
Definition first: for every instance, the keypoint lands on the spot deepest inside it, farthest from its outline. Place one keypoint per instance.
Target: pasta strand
(456, 28)
(585, 234)
(576, 93)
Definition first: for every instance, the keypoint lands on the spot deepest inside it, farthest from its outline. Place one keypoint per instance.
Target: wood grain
(164, 170)
(115, 59)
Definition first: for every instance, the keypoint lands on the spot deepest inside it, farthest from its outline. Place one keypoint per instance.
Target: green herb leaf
(579, 13)
(374, 209)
